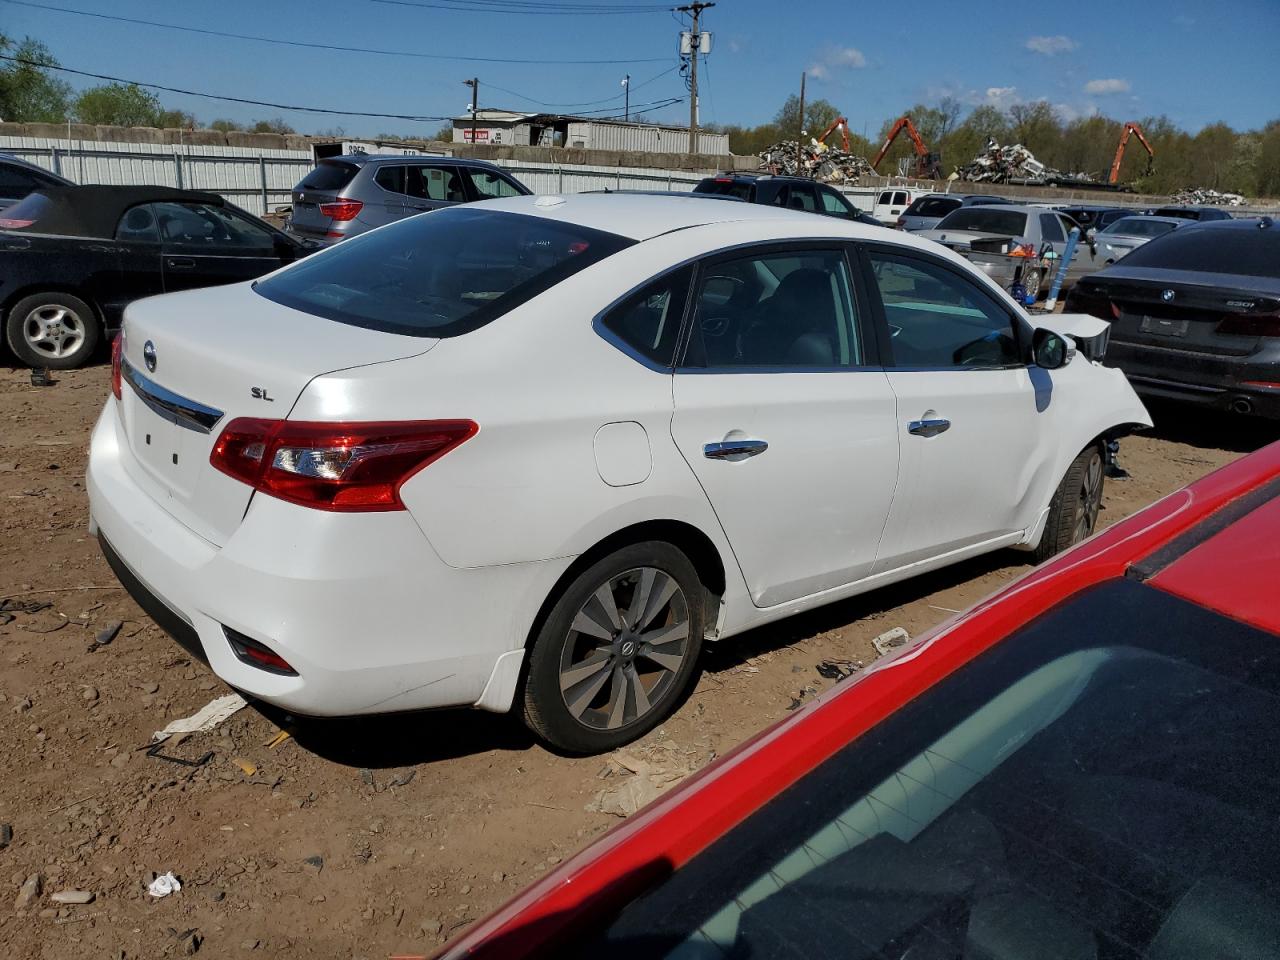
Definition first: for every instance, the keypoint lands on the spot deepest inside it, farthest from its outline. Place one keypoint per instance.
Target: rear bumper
(359, 604)
(1221, 383)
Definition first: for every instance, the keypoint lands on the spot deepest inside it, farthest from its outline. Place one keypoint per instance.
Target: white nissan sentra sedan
(534, 453)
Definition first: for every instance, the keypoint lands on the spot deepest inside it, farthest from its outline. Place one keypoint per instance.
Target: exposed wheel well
(695, 545)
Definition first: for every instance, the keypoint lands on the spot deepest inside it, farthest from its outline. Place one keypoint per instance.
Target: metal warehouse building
(505, 128)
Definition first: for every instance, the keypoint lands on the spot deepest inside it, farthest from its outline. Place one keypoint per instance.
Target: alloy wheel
(625, 649)
(1090, 499)
(54, 331)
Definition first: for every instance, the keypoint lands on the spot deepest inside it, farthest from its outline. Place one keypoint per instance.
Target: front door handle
(928, 428)
(180, 263)
(734, 449)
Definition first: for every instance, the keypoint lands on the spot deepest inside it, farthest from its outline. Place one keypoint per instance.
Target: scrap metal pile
(1014, 163)
(1207, 198)
(822, 163)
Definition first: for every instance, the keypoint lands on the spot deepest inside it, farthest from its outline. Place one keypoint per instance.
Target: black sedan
(1195, 315)
(72, 258)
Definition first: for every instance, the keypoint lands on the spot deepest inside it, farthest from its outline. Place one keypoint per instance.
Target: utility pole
(626, 86)
(474, 84)
(695, 44)
(800, 138)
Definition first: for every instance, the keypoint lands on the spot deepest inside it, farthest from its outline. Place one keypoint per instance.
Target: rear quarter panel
(88, 268)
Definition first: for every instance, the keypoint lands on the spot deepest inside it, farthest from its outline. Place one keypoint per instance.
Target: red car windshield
(1101, 784)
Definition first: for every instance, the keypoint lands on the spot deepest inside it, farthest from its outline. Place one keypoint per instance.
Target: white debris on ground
(640, 774)
(890, 639)
(1205, 197)
(209, 716)
(819, 161)
(164, 885)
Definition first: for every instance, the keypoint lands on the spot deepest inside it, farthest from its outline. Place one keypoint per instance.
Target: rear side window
(932, 207)
(1050, 228)
(648, 321)
(724, 185)
(330, 175)
(441, 275)
(834, 204)
(899, 198)
(15, 182)
(986, 220)
(800, 197)
(1246, 252)
(390, 179)
(138, 226)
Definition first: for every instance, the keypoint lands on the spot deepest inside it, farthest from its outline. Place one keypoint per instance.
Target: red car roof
(1215, 542)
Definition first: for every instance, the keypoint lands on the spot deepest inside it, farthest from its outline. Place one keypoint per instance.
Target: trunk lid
(324, 184)
(1189, 318)
(960, 240)
(218, 354)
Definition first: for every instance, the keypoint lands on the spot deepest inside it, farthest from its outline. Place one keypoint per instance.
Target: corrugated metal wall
(634, 138)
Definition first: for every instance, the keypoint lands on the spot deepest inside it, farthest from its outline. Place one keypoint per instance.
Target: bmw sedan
(533, 454)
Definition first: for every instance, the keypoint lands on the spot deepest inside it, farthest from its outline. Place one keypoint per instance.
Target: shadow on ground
(1182, 423)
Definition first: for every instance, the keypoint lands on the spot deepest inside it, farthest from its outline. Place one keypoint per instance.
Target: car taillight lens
(7, 224)
(117, 350)
(344, 467)
(1265, 325)
(342, 209)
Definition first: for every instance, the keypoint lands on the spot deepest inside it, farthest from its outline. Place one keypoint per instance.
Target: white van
(891, 201)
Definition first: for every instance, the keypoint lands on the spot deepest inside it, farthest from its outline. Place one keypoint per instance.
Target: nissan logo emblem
(149, 355)
(1167, 295)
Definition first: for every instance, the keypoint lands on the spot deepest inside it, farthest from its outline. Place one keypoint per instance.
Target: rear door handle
(928, 428)
(731, 449)
(180, 263)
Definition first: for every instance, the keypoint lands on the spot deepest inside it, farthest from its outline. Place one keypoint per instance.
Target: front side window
(437, 183)
(938, 319)
(441, 275)
(489, 185)
(792, 310)
(196, 227)
(648, 321)
(833, 204)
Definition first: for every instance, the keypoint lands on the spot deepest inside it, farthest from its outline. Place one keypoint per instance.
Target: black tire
(585, 690)
(1073, 512)
(1033, 276)
(55, 330)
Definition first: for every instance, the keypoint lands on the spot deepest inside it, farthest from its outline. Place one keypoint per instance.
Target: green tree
(1037, 127)
(118, 104)
(224, 125)
(818, 115)
(28, 92)
(176, 120)
(276, 125)
(1268, 164)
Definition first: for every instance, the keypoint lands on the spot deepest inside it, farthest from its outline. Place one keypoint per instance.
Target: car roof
(374, 159)
(751, 177)
(643, 216)
(94, 210)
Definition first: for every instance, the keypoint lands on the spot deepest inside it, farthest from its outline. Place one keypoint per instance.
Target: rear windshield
(1180, 212)
(986, 220)
(330, 175)
(1251, 252)
(441, 274)
(1138, 227)
(1101, 785)
(725, 187)
(25, 213)
(932, 207)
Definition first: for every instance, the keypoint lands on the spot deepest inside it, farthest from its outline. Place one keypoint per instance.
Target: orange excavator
(1130, 129)
(928, 164)
(841, 123)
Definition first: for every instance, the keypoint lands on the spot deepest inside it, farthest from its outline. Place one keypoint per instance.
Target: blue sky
(1196, 61)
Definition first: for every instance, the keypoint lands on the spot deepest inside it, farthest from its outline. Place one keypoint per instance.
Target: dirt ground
(353, 838)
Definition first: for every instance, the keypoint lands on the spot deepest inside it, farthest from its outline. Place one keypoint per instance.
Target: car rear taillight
(250, 651)
(7, 224)
(344, 467)
(901, 223)
(342, 210)
(1245, 325)
(117, 350)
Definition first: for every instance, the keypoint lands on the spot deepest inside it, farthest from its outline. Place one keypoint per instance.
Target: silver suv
(345, 196)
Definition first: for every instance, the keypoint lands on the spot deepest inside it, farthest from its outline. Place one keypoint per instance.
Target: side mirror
(1049, 350)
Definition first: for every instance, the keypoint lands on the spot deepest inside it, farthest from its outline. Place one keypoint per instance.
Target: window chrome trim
(174, 407)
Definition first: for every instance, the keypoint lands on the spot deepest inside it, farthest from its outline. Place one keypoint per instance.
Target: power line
(534, 9)
(308, 45)
(215, 96)
(587, 103)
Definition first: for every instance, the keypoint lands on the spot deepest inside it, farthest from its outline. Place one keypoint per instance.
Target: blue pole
(1072, 239)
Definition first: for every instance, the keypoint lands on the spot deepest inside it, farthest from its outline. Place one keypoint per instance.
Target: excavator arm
(843, 124)
(927, 164)
(1130, 129)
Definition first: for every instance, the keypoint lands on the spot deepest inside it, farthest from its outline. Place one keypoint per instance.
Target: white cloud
(849, 58)
(1110, 85)
(1051, 46)
(1001, 97)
